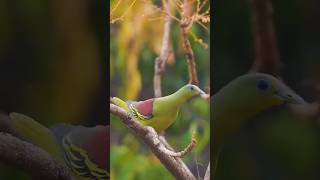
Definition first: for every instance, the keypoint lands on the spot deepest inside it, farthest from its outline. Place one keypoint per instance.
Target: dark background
(297, 38)
(283, 148)
(53, 62)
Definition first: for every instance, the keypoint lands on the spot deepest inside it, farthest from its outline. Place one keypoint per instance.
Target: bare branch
(35, 161)
(158, 144)
(150, 137)
(185, 25)
(123, 15)
(170, 151)
(168, 146)
(161, 61)
(267, 58)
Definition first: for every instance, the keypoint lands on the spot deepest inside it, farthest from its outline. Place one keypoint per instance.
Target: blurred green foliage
(135, 42)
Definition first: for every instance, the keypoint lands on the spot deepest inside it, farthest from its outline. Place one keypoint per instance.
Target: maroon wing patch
(98, 147)
(145, 107)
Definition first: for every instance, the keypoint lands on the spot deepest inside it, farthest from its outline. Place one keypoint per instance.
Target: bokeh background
(135, 42)
(283, 148)
(53, 63)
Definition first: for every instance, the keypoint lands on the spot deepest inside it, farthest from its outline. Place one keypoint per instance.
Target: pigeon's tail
(120, 103)
(35, 133)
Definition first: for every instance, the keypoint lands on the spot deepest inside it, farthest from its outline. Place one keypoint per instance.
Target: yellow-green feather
(36, 133)
(120, 103)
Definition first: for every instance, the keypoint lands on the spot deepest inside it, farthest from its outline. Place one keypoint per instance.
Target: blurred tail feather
(37, 134)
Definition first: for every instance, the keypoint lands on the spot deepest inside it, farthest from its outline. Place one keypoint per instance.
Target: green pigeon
(241, 100)
(278, 143)
(161, 112)
(85, 150)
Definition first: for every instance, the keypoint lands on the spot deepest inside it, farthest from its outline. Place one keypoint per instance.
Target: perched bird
(85, 150)
(241, 100)
(277, 143)
(161, 112)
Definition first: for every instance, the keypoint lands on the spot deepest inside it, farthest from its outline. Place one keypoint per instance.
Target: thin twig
(150, 137)
(267, 57)
(168, 146)
(185, 24)
(115, 7)
(124, 14)
(161, 61)
(33, 160)
(180, 153)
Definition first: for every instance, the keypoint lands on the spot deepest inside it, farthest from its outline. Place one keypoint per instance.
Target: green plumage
(164, 110)
(278, 143)
(242, 99)
(65, 143)
(34, 132)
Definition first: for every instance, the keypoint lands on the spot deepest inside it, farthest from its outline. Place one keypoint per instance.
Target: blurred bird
(85, 150)
(278, 143)
(161, 112)
(241, 100)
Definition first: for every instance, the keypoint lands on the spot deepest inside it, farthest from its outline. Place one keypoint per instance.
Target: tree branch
(159, 66)
(150, 137)
(158, 144)
(169, 150)
(185, 25)
(267, 59)
(32, 159)
(161, 61)
(35, 161)
(168, 146)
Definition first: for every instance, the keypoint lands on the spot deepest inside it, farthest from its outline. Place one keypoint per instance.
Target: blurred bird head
(257, 92)
(272, 91)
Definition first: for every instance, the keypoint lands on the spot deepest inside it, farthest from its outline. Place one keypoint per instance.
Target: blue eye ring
(262, 85)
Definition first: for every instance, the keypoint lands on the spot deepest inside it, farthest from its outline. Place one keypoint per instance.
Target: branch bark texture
(150, 137)
(161, 61)
(267, 59)
(185, 25)
(33, 160)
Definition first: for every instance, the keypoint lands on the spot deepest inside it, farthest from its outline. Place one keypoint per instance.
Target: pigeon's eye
(262, 85)
(191, 88)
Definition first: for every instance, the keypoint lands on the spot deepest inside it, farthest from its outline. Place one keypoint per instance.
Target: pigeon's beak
(203, 94)
(290, 97)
